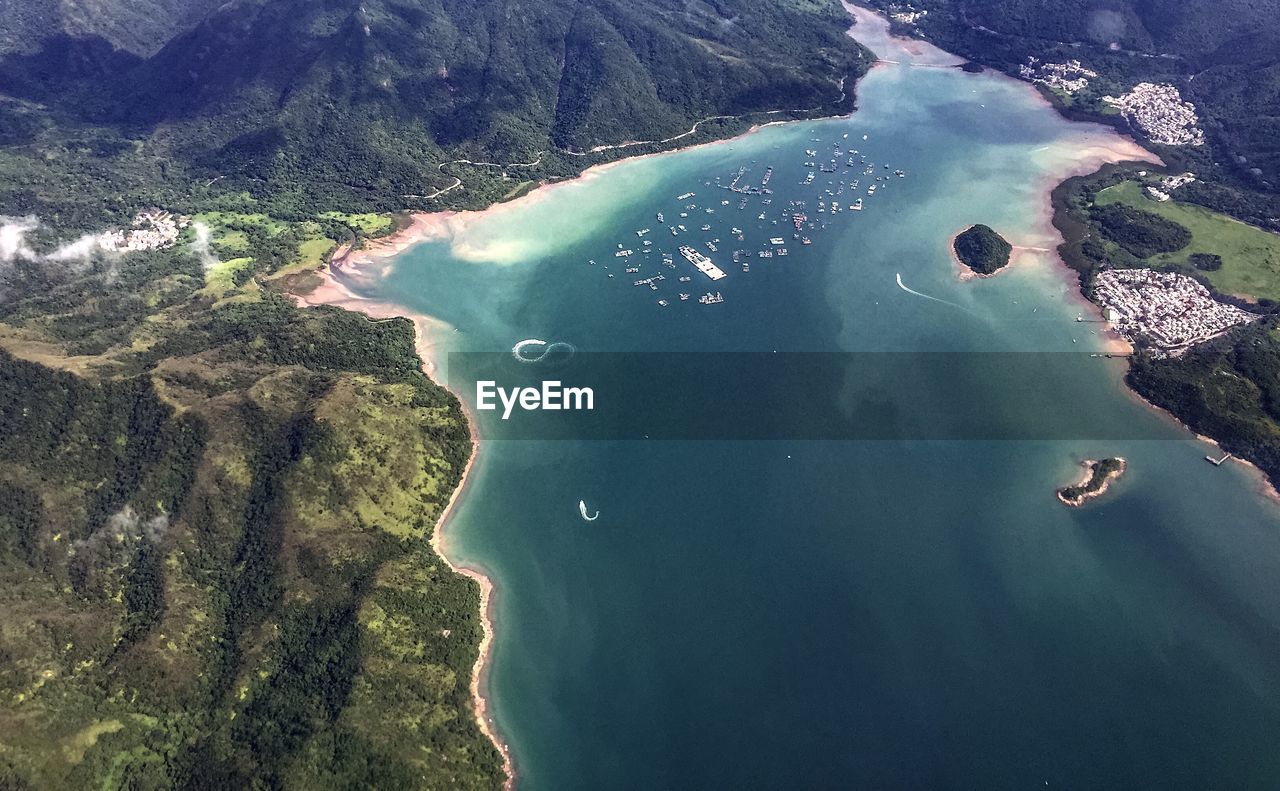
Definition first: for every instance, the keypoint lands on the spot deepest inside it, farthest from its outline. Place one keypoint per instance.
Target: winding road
(457, 182)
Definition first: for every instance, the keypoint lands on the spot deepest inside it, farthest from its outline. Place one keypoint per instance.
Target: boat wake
(518, 351)
(909, 290)
(582, 509)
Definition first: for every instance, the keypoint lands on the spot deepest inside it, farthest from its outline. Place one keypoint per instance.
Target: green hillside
(313, 105)
(140, 27)
(215, 507)
(214, 543)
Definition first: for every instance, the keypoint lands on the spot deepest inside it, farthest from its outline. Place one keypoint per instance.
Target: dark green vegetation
(139, 27)
(1223, 56)
(357, 105)
(1205, 262)
(214, 555)
(215, 507)
(1107, 221)
(1228, 389)
(1141, 233)
(1101, 473)
(982, 249)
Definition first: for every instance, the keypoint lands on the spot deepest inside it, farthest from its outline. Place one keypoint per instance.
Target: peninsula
(981, 249)
(1098, 477)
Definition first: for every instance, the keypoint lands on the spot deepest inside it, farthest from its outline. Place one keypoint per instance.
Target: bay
(818, 614)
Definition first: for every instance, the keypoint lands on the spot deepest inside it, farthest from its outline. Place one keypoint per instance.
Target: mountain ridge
(358, 103)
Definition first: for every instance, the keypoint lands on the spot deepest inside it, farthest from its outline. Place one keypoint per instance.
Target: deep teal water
(805, 614)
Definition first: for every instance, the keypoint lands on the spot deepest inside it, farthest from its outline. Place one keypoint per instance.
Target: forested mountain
(1222, 55)
(140, 27)
(355, 103)
(1181, 27)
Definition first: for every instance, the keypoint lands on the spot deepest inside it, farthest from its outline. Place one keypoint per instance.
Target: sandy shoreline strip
(451, 224)
(1044, 238)
(479, 671)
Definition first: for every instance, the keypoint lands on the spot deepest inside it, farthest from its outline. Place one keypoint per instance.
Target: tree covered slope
(215, 507)
(214, 557)
(138, 26)
(356, 103)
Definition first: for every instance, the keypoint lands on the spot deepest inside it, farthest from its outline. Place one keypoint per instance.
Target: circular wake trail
(518, 351)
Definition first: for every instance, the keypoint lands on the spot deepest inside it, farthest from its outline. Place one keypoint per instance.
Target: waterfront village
(1069, 77)
(1165, 311)
(1154, 109)
(1158, 111)
(846, 187)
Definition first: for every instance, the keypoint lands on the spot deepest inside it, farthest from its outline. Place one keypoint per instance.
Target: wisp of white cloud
(13, 238)
(200, 245)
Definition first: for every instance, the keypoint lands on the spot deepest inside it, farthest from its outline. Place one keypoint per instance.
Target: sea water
(889, 613)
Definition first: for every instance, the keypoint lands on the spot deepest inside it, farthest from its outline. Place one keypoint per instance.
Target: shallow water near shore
(913, 613)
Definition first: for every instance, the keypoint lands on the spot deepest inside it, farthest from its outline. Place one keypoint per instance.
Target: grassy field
(220, 219)
(220, 278)
(1250, 256)
(368, 224)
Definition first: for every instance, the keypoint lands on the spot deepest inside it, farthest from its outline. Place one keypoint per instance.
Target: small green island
(982, 249)
(1098, 476)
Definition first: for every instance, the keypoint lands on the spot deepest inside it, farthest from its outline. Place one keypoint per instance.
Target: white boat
(582, 509)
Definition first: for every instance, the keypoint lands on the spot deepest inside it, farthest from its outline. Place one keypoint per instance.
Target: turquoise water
(882, 614)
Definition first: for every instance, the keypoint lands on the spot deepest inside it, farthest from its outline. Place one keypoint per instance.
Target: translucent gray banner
(551, 392)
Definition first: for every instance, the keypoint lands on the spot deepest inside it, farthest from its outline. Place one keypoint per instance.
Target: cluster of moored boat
(844, 174)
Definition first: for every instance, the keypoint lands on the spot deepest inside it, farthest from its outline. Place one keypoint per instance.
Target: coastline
(1091, 159)
(334, 292)
(480, 670)
(450, 224)
(1265, 488)
(373, 260)
(376, 258)
(1043, 238)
